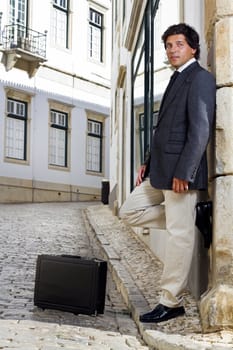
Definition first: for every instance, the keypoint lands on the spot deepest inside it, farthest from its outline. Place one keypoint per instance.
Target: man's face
(178, 51)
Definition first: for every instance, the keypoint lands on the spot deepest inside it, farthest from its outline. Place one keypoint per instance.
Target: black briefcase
(70, 283)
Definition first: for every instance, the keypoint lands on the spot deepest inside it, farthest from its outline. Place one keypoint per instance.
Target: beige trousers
(175, 212)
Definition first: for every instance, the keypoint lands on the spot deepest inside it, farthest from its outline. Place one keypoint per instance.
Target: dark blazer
(183, 130)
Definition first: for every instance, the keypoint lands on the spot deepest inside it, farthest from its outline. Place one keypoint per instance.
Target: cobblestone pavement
(137, 274)
(87, 229)
(27, 230)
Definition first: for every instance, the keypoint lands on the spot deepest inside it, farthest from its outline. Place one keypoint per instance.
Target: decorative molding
(137, 12)
(99, 4)
(61, 106)
(20, 59)
(121, 76)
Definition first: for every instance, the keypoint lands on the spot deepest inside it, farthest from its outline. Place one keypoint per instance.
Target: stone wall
(217, 305)
(14, 190)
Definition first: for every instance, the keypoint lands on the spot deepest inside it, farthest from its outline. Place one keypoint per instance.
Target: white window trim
(103, 10)
(63, 108)
(54, 42)
(26, 98)
(101, 119)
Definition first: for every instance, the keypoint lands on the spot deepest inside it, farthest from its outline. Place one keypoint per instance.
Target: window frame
(144, 153)
(23, 97)
(62, 108)
(91, 25)
(55, 28)
(144, 54)
(14, 13)
(23, 119)
(64, 128)
(18, 17)
(91, 118)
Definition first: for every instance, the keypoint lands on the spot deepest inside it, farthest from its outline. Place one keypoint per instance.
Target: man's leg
(143, 207)
(180, 222)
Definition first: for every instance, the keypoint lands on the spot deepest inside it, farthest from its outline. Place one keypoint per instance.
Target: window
(144, 153)
(18, 12)
(58, 138)
(59, 27)
(18, 16)
(95, 35)
(16, 129)
(145, 64)
(94, 146)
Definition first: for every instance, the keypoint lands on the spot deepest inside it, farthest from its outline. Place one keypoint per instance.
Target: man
(177, 166)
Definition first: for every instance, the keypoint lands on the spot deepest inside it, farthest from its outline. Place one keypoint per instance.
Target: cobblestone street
(27, 230)
(88, 230)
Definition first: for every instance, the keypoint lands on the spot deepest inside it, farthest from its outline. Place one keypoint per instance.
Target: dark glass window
(16, 129)
(95, 35)
(58, 138)
(94, 146)
(143, 114)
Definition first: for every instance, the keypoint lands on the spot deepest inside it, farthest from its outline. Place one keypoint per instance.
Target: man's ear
(194, 52)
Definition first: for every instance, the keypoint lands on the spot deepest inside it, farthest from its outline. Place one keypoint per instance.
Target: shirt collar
(180, 69)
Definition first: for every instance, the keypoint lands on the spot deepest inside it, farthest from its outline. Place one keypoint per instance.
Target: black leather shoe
(162, 313)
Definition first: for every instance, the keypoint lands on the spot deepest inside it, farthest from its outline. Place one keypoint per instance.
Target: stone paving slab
(137, 273)
(32, 335)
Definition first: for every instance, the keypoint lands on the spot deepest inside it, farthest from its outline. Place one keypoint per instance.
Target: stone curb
(102, 220)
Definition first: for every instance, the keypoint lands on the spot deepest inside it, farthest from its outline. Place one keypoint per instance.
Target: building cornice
(73, 75)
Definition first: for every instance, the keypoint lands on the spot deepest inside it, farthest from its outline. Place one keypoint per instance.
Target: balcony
(23, 48)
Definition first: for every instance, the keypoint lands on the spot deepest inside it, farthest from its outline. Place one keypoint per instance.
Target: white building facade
(55, 99)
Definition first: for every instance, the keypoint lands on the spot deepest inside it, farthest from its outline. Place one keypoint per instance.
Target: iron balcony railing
(17, 36)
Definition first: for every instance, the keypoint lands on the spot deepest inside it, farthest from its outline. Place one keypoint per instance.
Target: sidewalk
(137, 272)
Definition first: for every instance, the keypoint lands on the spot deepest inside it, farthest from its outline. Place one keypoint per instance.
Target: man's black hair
(189, 33)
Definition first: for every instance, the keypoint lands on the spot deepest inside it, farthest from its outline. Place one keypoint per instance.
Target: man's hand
(141, 173)
(179, 186)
